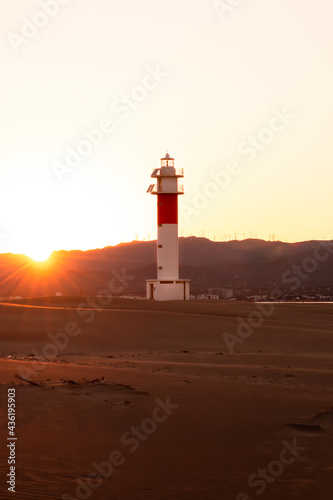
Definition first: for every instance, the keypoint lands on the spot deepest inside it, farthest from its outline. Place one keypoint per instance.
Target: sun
(39, 255)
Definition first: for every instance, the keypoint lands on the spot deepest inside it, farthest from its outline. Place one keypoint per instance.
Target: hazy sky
(240, 95)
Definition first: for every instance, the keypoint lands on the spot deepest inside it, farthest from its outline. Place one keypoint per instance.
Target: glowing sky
(199, 79)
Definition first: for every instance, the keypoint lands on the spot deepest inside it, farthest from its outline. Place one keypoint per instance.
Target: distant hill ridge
(249, 266)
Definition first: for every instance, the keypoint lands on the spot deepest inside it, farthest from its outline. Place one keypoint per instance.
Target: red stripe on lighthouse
(167, 209)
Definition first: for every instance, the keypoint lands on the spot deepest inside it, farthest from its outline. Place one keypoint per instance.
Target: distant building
(207, 296)
(257, 298)
(222, 293)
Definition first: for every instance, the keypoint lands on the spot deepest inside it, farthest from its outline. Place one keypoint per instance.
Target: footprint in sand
(307, 428)
(321, 422)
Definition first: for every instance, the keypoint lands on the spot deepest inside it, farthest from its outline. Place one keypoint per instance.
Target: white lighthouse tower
(167, 286)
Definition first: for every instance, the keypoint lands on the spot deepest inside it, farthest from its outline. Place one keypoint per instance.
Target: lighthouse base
(168, 290)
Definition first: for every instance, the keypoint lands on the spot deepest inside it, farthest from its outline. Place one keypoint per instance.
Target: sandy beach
(145, 400)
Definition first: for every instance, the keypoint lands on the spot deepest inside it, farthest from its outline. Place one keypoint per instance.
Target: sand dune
(231, 414)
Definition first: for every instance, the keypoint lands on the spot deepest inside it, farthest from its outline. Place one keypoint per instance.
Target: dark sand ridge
(235, 409)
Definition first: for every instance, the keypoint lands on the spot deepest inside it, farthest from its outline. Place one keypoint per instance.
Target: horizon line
(155, 240)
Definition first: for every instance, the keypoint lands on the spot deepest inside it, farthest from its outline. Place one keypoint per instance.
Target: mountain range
(249, 267)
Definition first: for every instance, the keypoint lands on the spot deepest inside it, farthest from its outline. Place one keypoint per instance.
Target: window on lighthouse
(167, 163)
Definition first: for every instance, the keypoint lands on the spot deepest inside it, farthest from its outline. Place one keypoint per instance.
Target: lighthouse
(168, 285)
